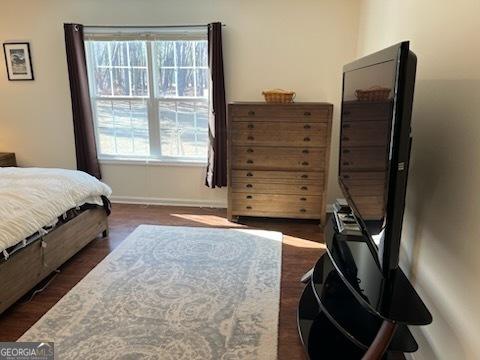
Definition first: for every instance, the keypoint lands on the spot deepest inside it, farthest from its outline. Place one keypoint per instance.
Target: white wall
(441, 227)
(298, 45)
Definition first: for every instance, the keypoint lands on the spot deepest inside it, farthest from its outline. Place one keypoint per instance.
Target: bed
(46, 216)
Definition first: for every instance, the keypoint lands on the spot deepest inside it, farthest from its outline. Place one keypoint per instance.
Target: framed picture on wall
(18, 61)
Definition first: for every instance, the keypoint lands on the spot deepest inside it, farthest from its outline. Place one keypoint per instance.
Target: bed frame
(27, 267)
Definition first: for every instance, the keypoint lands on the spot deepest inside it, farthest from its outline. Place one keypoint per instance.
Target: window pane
(139, 116)
(121, 83)
(185, 82)
(137, 53)
(167, 83)
(120, 69)
(181, 134)
(121, 115)
(165, 52)
(184, 53)
(130, 119)
(186, 114)
(202, 115)
(202, 82)
(103, 84)
(100, 50)
(139, 82)
(119, 53)
(167, 113)
(106, 141)
(202, 143)
(201, 53)
(104, 113)
(188, 143)
(168, 127)
(141, 142)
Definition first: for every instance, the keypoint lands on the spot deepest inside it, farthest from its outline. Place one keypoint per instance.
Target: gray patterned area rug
(173, 293)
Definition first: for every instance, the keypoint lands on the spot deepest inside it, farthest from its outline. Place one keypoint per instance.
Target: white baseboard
(167, 201)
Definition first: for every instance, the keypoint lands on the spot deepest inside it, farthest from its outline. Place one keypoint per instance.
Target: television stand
(347, 302)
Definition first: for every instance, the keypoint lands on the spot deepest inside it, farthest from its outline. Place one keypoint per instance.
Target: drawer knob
(248, 207)
(306, 139)
(251, 113)
(249, 150)
(346, 151)
(305, 163)
(249, 174)
(305, 151)
(249, 185)
(304, 176)
(346, 126)
(249, 196)
(250, 138)
(304, 188)
(303, 210)
(345, 138)
(345, 163)
(346, 176)
(303, 199)
(346, 113)
(307, 113)
(250, 126)
(249, 161)
(306, 126)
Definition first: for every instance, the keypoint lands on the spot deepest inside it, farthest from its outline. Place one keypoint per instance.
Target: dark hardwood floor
(302, 245)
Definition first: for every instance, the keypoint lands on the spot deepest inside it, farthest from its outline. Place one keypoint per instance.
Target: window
(150, 94)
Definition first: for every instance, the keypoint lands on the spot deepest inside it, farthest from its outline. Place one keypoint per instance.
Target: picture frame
(18, 61)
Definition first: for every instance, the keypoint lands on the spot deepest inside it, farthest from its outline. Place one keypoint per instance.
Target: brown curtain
(86, 150)
(217, 127)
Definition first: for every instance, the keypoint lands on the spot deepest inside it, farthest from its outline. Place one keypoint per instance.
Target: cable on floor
(38, 291)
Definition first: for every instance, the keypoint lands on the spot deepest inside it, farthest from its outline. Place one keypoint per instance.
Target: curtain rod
(147, 27)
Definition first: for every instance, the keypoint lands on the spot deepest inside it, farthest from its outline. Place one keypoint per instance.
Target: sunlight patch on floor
(211, 220)
(220, 221)
(302, 243)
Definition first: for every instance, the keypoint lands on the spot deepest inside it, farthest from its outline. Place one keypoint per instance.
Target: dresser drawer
(276, 188)
(276, 205)
(281, 112)
(279, 158)
(304, 134)
(278, 176)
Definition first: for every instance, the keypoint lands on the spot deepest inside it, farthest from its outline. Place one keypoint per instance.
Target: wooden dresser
(278, 159)
(7, 159)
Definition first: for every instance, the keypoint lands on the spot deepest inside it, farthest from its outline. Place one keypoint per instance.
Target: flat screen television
(375, 145)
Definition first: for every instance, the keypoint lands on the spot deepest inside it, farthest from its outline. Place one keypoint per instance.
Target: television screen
(375, 125)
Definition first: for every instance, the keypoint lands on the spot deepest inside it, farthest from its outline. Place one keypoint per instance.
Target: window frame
(153, 99)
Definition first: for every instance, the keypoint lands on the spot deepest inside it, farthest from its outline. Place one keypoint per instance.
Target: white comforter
(31, 198)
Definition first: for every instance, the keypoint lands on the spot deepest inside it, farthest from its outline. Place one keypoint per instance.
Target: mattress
(32, 200)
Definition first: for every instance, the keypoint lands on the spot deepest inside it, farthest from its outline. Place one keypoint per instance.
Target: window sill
(151, 162)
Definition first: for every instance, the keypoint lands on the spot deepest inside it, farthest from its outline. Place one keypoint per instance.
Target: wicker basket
(279, 96)
(375, 93)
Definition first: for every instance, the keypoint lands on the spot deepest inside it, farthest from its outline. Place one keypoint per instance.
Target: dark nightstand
(7, 159)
